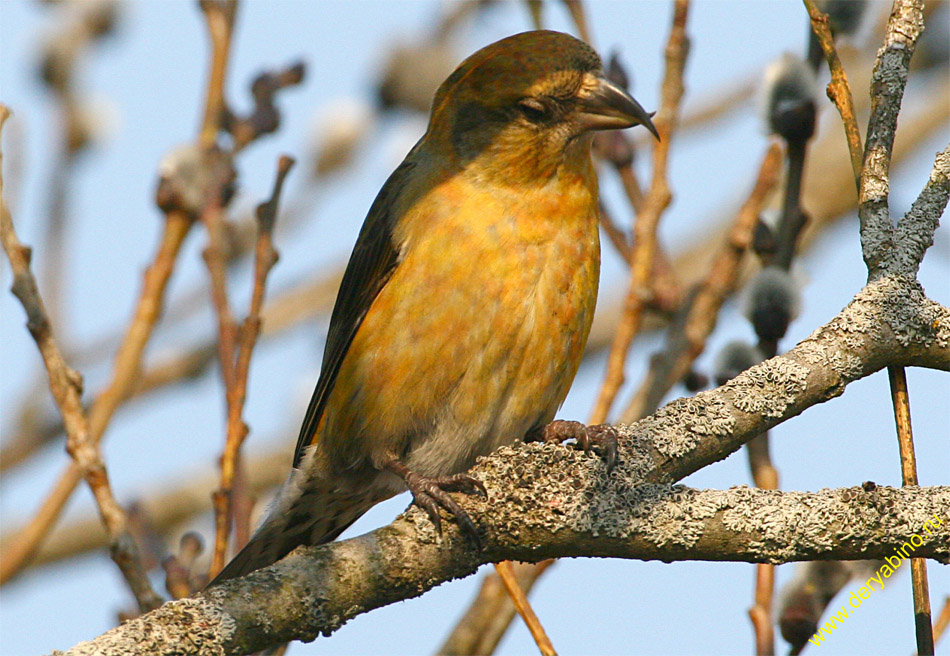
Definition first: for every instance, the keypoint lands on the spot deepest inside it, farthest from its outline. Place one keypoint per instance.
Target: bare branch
(839, 91)
(484, 624)
(685, 344)
(656, 202)
(219, 17)
(506, 572)
(66, 385)
(236, 379)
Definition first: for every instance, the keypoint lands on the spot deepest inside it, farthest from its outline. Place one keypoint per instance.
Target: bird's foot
(602, 438)
(431, 492)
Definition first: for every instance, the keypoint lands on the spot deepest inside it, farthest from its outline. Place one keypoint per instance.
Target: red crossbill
(465, 307)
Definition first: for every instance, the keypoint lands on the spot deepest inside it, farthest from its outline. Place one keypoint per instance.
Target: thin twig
(631, 186)
(657, 200)
(213, 255)
(236, 379)
(685, 345)
(839, 91)
(483, 625)
(520, 600)
(943, 620)
(55, 262)
(535, 8)
(66, 385)
(62, 55)
(918, 566)
(227, 339)
(124, 374)
(219, 17)
(614, 232)
(765, 476)
(761, 612)
(576, 9)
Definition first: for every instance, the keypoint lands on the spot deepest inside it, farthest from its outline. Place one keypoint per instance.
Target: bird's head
(519, 108)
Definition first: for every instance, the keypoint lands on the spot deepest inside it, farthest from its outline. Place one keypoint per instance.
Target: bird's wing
(371, 264)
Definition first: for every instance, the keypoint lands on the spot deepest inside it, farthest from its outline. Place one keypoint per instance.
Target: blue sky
(150, 77)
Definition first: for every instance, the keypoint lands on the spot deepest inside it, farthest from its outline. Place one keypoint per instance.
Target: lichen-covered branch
(316, 590)
(33, 427)
(915, 232)
(887, 90)
(889, 322)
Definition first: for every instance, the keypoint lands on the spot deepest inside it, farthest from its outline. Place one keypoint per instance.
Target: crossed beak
(609, 107)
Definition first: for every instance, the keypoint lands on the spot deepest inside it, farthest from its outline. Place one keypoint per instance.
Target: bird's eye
(533, 109)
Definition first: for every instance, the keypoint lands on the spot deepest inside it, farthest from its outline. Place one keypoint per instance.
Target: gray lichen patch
(181, 626)
(860, 322)
(548, 482)
(940, 523)
(771, 524)
(769, 388)
(941, 326)
(675, 429)
(892, 304)
(911, 316)
(636, 442)
(663, 515)
(534, 482)
(846, 365)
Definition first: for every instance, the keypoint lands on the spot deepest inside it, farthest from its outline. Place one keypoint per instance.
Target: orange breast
(477, 335)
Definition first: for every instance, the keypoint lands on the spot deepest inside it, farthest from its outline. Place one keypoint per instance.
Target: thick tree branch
(884, 250)
(316, 590)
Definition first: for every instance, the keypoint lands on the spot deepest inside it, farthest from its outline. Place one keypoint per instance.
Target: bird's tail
(306, 512)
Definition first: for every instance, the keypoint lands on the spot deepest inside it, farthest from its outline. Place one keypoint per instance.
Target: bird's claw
(429, 493)
(601, 438)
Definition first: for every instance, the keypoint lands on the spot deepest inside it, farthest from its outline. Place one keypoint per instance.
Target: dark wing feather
(371, 265)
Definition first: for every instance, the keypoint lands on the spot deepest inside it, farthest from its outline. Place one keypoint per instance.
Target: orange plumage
(465, 308)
